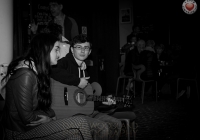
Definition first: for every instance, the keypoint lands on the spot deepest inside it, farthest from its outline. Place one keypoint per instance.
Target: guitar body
(70, 100)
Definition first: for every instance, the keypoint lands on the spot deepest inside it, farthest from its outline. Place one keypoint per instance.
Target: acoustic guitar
(71, 100)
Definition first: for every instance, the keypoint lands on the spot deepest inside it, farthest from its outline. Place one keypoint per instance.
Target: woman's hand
(43, 119)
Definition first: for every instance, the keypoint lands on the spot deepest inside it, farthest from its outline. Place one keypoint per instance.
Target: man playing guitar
(71, 70)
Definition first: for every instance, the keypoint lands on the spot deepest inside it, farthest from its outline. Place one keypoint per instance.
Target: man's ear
(89, 52)
(72, 49)
(61, 7)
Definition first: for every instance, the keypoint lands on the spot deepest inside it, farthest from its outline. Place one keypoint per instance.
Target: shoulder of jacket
(73, 21)
(70, 18)
(22, 71)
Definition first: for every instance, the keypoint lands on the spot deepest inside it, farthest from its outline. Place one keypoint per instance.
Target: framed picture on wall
(125, 15)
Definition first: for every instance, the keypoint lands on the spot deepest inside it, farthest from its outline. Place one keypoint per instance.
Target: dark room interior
(163, 21)
(103, 28)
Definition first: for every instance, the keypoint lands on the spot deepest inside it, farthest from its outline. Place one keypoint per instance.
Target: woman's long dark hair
(39, 53)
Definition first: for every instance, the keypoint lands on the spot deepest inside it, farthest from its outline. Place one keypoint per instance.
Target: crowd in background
(163, 62)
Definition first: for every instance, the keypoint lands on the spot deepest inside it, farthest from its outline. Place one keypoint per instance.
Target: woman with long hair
(27, 112)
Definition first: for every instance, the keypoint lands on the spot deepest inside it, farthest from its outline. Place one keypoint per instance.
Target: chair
(133, 128)
(138, 70)
(124, 78)
(187, 81)
(97, 90)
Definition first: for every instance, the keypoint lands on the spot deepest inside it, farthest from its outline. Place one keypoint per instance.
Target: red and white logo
(189, 6)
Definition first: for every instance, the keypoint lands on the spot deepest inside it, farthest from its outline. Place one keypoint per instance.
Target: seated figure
(27, 113)
(133, 57)
(148, 58)
(70, 71)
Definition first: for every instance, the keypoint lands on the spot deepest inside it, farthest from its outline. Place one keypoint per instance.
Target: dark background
(101, 17)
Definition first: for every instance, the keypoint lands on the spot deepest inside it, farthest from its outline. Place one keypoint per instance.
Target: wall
(125, 28)
(6, 37)
(6, 28)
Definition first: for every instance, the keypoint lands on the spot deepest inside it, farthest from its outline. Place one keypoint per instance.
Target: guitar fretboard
(104, 98)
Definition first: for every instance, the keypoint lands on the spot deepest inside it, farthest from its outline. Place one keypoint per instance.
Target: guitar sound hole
(80, 97)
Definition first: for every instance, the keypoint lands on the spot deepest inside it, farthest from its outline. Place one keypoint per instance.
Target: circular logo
(189, 6)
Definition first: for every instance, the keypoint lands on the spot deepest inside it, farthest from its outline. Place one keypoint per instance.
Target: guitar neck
(104, 98)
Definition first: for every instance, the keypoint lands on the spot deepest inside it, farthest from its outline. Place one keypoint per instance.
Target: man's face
(81, 50)
(55, 8)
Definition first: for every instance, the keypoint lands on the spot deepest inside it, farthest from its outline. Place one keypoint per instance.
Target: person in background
(131, 43)
(69, 71)
(163, 67)
(56, 29)
(148, 58)
(27, 113)
(136, 31)
(133, 57)
(163, 60)
(161, 52)
(150, 44)
(69, 25)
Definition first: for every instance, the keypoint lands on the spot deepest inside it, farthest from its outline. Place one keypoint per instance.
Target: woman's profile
(27, 112)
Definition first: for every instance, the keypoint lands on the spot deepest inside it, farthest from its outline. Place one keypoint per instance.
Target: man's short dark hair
(81, 38)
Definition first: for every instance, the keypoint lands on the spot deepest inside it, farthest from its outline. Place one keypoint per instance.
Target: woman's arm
(25, 96)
